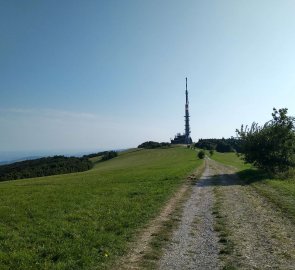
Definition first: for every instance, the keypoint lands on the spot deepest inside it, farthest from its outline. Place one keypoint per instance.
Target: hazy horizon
(11, 156)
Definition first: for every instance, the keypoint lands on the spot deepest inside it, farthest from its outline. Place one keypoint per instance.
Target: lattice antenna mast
(187, 127)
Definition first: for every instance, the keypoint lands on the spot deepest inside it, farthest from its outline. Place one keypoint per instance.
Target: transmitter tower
(184, 138)
(187, 130)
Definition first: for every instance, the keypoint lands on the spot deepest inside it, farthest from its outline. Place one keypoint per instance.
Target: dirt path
(195, 243)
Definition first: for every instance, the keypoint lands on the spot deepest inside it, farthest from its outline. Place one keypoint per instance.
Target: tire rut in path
(194, 244)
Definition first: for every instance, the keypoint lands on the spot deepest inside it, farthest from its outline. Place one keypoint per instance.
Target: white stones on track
(194, 244)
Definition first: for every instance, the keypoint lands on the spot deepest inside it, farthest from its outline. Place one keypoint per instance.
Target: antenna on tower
(186, 93)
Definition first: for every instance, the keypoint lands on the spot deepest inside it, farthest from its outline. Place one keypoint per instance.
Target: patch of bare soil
(133, 259)
(262, 237)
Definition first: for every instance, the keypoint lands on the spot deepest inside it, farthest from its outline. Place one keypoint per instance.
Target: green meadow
(86, 220)
(230, 159)
(280, 192)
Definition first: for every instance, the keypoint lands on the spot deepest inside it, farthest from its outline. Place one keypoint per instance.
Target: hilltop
(85, 220)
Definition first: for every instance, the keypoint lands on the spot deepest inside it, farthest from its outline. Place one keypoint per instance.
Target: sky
(87, 75)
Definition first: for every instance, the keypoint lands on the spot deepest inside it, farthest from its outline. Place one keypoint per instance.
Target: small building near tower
(184, 138)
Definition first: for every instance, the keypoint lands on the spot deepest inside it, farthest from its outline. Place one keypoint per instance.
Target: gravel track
(194, 244)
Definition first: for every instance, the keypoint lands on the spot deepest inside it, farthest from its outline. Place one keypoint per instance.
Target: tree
(109, 155)
(224, 147)
(272, 146)
(44, 167)
(152, 145)
(220, 145)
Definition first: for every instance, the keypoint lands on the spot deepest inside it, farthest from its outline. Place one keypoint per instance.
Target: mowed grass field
(281, 192)
(85, 220)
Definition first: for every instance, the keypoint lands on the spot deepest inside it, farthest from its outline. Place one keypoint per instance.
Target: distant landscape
(92, 208)
(15, 156)
(147, 135)
(37, 166)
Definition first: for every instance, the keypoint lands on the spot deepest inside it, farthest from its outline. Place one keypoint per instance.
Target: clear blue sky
(83, 75)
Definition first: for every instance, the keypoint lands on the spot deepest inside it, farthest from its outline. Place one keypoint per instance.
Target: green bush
(201, 154)
(270, 147)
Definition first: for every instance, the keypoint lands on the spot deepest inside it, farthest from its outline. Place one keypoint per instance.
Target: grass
(230, 159)
(85, 220)
(280, 192)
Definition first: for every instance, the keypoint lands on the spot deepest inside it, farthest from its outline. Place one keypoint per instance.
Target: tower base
(181, 139)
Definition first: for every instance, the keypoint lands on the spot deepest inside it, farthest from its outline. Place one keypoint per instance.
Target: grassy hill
(85, 220)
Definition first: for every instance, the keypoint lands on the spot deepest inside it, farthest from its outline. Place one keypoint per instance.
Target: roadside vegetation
(201, 154)
(271, 150)
(86, 220)
(270, 147)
